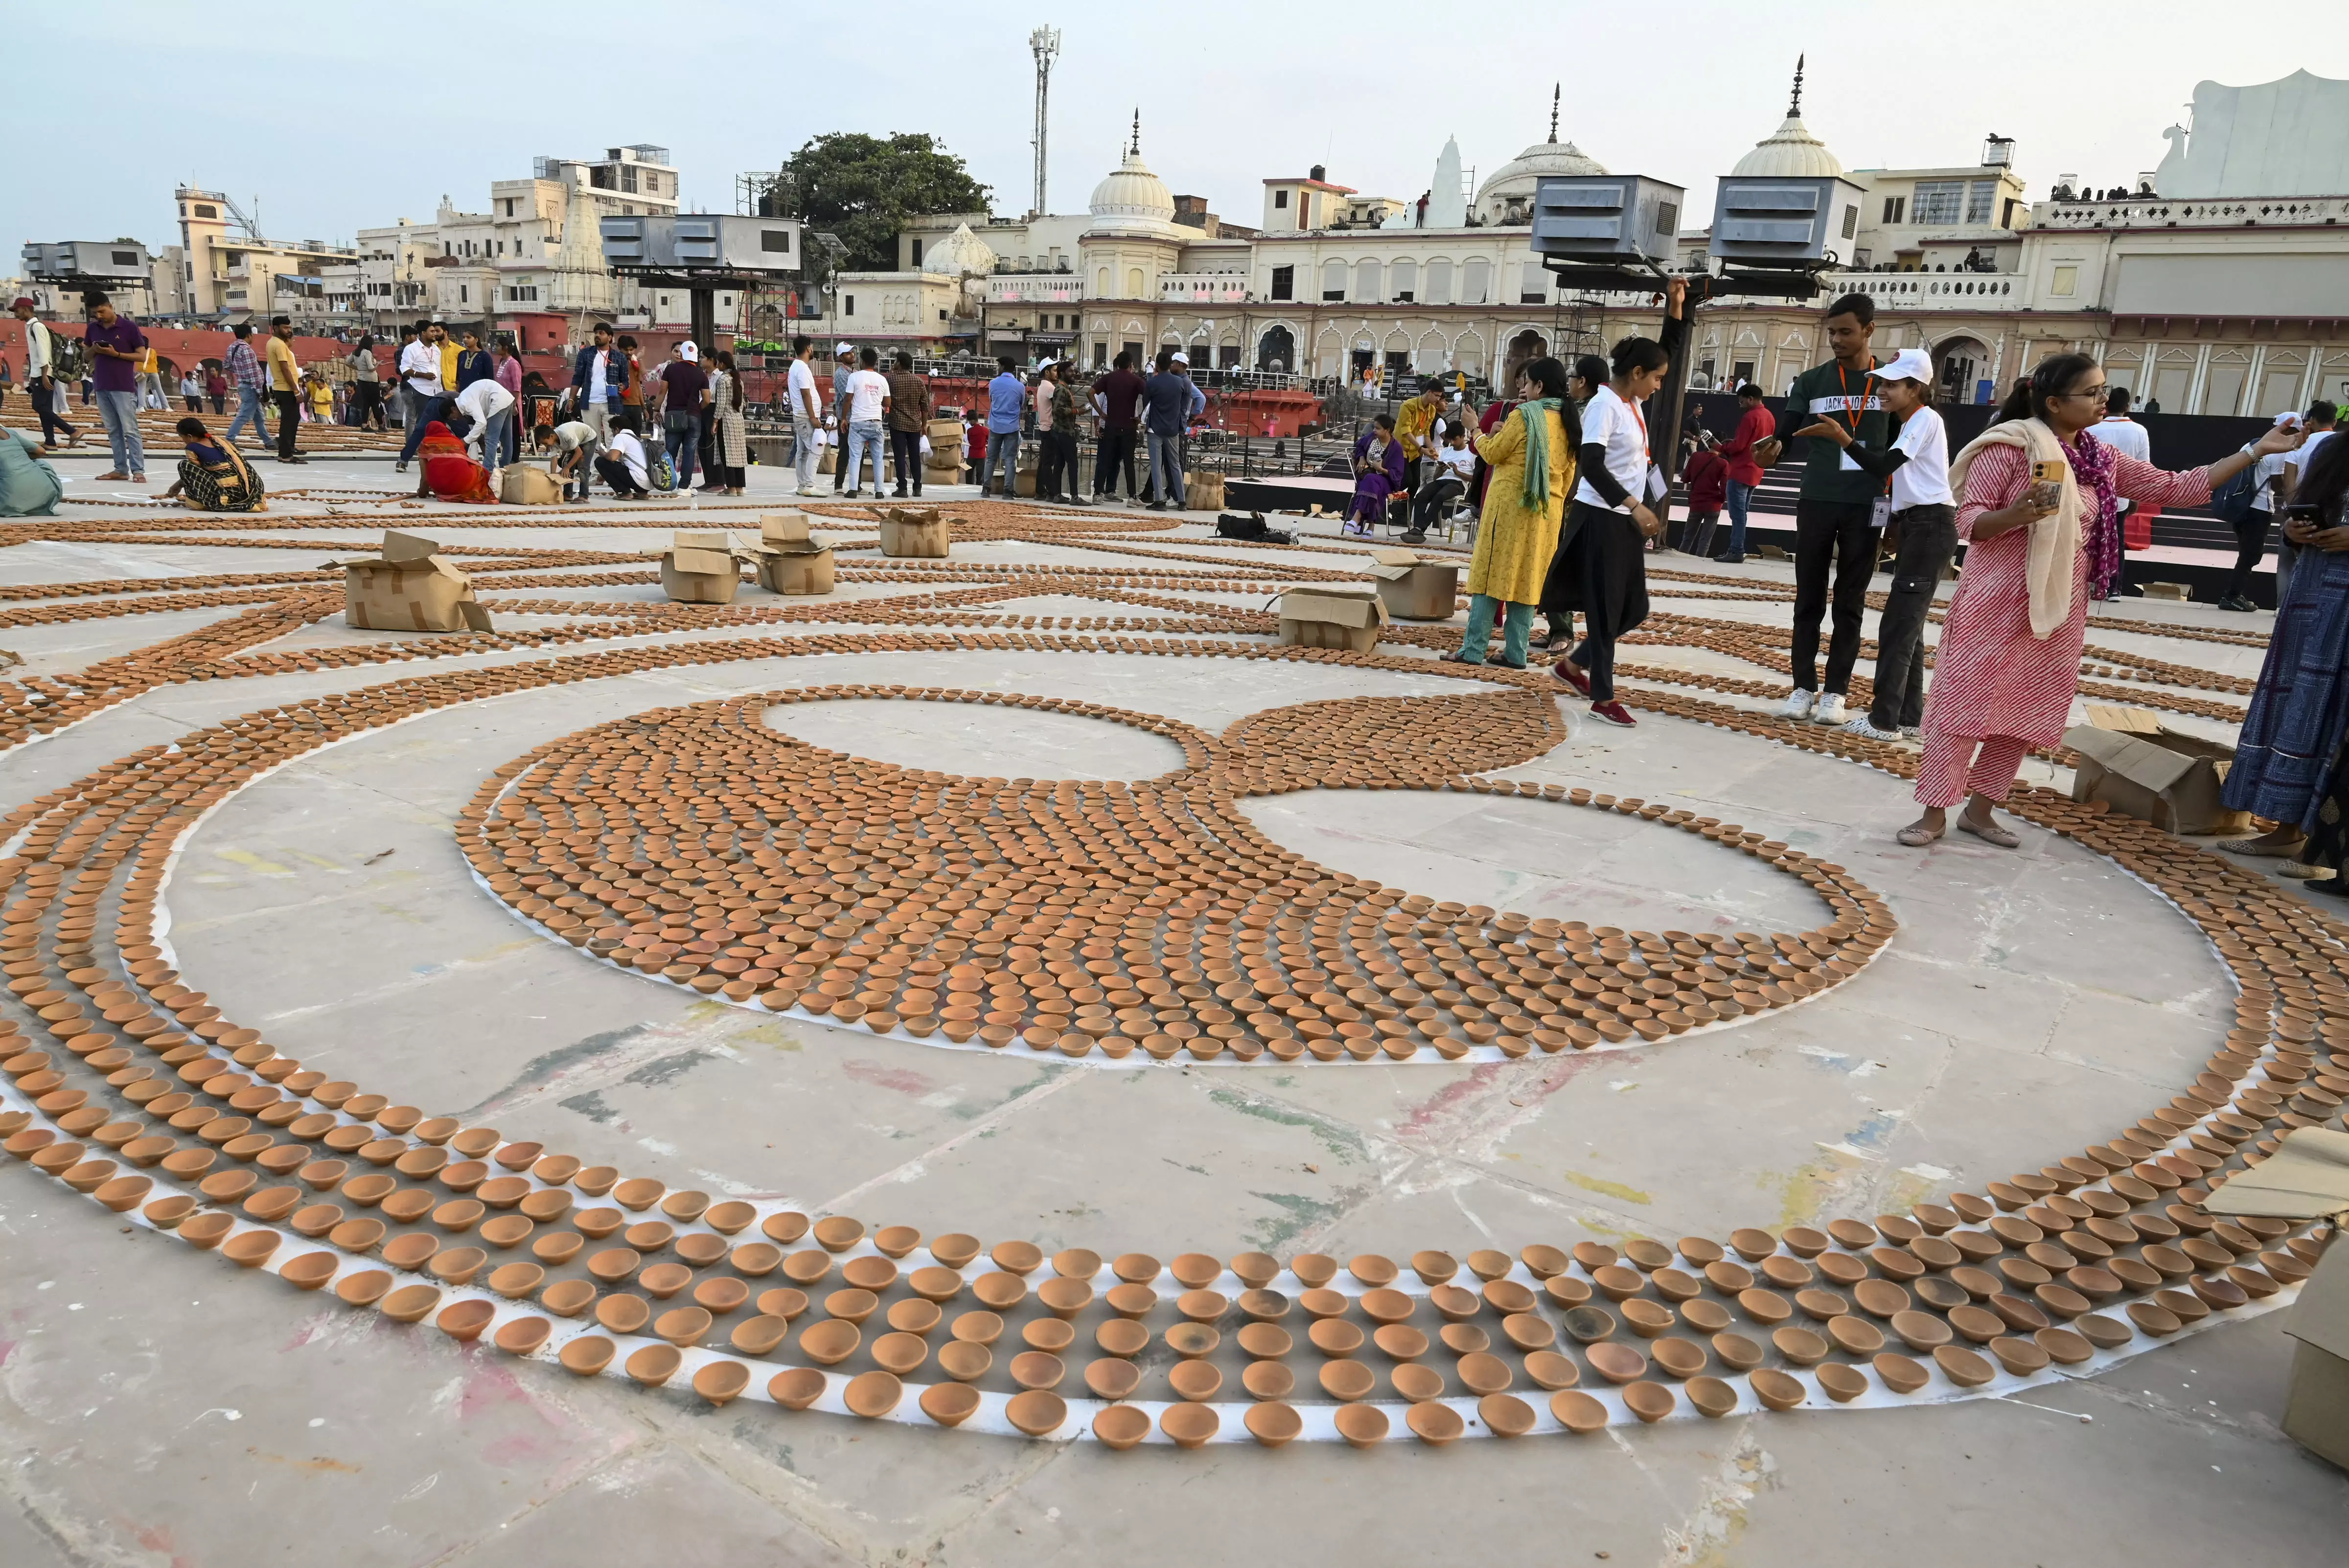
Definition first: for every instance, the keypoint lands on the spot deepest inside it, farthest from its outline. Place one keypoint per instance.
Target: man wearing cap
(1165, 413)
(844, 370)
(40, 377)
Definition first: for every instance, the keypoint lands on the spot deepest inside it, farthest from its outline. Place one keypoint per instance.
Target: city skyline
(1203, 127)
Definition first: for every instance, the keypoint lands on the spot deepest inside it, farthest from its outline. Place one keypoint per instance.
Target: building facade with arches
(2213, 305)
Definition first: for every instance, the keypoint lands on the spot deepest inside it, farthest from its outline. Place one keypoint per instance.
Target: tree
(863, 188)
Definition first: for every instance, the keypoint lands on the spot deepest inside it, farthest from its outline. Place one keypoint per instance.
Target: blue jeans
(1165, 469)
(423, 409)
(498, 439)
(1739, 496)
(248, 411)
(864, 436)
(684, 446)
(120, 412)
(1003, 452)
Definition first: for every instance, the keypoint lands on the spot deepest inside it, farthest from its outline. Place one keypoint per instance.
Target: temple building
(2226, 303)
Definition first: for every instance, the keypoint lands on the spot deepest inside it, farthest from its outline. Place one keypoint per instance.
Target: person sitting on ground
(1377, 475)
(214, 476)
(624, 466)
(1454, 464)
(449, 473)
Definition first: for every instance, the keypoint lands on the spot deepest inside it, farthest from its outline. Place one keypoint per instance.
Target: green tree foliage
(863, 188)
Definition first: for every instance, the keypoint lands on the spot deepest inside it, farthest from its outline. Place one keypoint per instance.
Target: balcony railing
(2216, 212)
(1204, 288)
(1934, 290)
(1036, 288)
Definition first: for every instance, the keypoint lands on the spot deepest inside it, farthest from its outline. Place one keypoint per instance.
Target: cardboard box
(916, 535)
(1413, 589)
(790, 560)
(701, 568)
(2132, 762)
(410, 587)
(1342, 618)
(521, 485)
(2316, 1409)
(1203, 492)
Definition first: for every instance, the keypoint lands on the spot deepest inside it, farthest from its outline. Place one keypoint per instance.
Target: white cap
(844, 349)
(2290, 422)
(688, 352)
(1046, 364)
(1181, 357)
(1909, 364)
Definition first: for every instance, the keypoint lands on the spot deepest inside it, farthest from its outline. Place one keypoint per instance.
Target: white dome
(1791, 151)
(1520, 174)
(960, 255)
(1133, 199)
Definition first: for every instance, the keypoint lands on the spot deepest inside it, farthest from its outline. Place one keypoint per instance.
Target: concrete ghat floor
(158, 1410)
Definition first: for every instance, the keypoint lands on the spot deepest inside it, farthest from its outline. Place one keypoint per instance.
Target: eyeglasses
(2094, 394)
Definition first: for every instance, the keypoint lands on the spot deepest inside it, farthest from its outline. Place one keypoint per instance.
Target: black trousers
(1432, 496)
(1114, 451)
(905, 456)
(1831, 534)
(289, 419)
(2251, 543)
(1056, 465)
(1926, 541)
(44, 394)
(615, 474)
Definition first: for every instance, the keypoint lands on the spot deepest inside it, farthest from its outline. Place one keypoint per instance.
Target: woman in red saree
(448, 475)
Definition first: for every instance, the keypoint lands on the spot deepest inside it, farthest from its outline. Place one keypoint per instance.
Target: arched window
(1100, 283)
(1366, 281)
(1276, 349)
(1439, 282)
(1405, 280)
(1477, 284)
(1133, 284)
(1333, 280)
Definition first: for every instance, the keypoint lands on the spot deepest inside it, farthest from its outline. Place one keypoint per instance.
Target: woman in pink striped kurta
(1998, 690)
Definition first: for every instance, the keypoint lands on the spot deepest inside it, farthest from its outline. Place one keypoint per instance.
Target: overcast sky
(339, 117)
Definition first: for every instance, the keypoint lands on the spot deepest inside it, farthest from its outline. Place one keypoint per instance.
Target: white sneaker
(1868, 731)
(1830, 710)
(1798, 705)
(1912, 732)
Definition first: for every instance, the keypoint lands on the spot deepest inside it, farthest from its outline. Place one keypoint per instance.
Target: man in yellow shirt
(1416, 428)
(285, 386)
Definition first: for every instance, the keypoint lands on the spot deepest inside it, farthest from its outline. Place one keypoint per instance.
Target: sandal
(2257, 846)
(1916, 835)
(1990, 833)
(1456, 657)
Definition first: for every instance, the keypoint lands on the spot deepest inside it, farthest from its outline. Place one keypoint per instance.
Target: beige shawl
(2054, 538)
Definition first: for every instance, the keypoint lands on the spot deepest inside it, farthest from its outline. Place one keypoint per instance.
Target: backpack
(661, 471)
(2232, 502)
(69, 357)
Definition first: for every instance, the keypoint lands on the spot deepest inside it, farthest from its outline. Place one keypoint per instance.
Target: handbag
(677, 421)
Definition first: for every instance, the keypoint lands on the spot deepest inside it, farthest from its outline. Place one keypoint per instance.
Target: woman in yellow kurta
(1532, 459)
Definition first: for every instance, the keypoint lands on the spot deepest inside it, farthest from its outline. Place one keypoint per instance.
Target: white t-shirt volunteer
(478, 402)
(631, 451)
(1457, 462)
(1620, 430)
(1924, 479)
(800, 393)
(865, 391)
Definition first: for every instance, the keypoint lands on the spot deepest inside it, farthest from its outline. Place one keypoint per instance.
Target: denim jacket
(583, 374)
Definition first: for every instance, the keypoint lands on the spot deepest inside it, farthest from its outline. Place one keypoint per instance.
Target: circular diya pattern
(132, 1088)
(1108, 922)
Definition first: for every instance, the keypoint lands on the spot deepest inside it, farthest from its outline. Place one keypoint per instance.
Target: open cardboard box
(2307, 1177)
(410, 587)
(1347, 620)
(790, 560)
(701, 568)
(2133, 763)
(914, 536)
(1413, 589)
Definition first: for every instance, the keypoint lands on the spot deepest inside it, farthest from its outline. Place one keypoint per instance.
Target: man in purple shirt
(117, 346)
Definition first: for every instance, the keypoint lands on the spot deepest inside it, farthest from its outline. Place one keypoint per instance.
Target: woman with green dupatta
(1531, 455)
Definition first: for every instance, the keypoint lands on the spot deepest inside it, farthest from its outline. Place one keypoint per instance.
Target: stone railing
(1933, 290)
(1204, 288)
(2211, 212)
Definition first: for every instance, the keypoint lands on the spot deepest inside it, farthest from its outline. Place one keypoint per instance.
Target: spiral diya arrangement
(1099, 918)
(702, 845)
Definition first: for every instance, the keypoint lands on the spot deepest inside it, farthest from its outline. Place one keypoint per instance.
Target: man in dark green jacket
(1835, 511)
